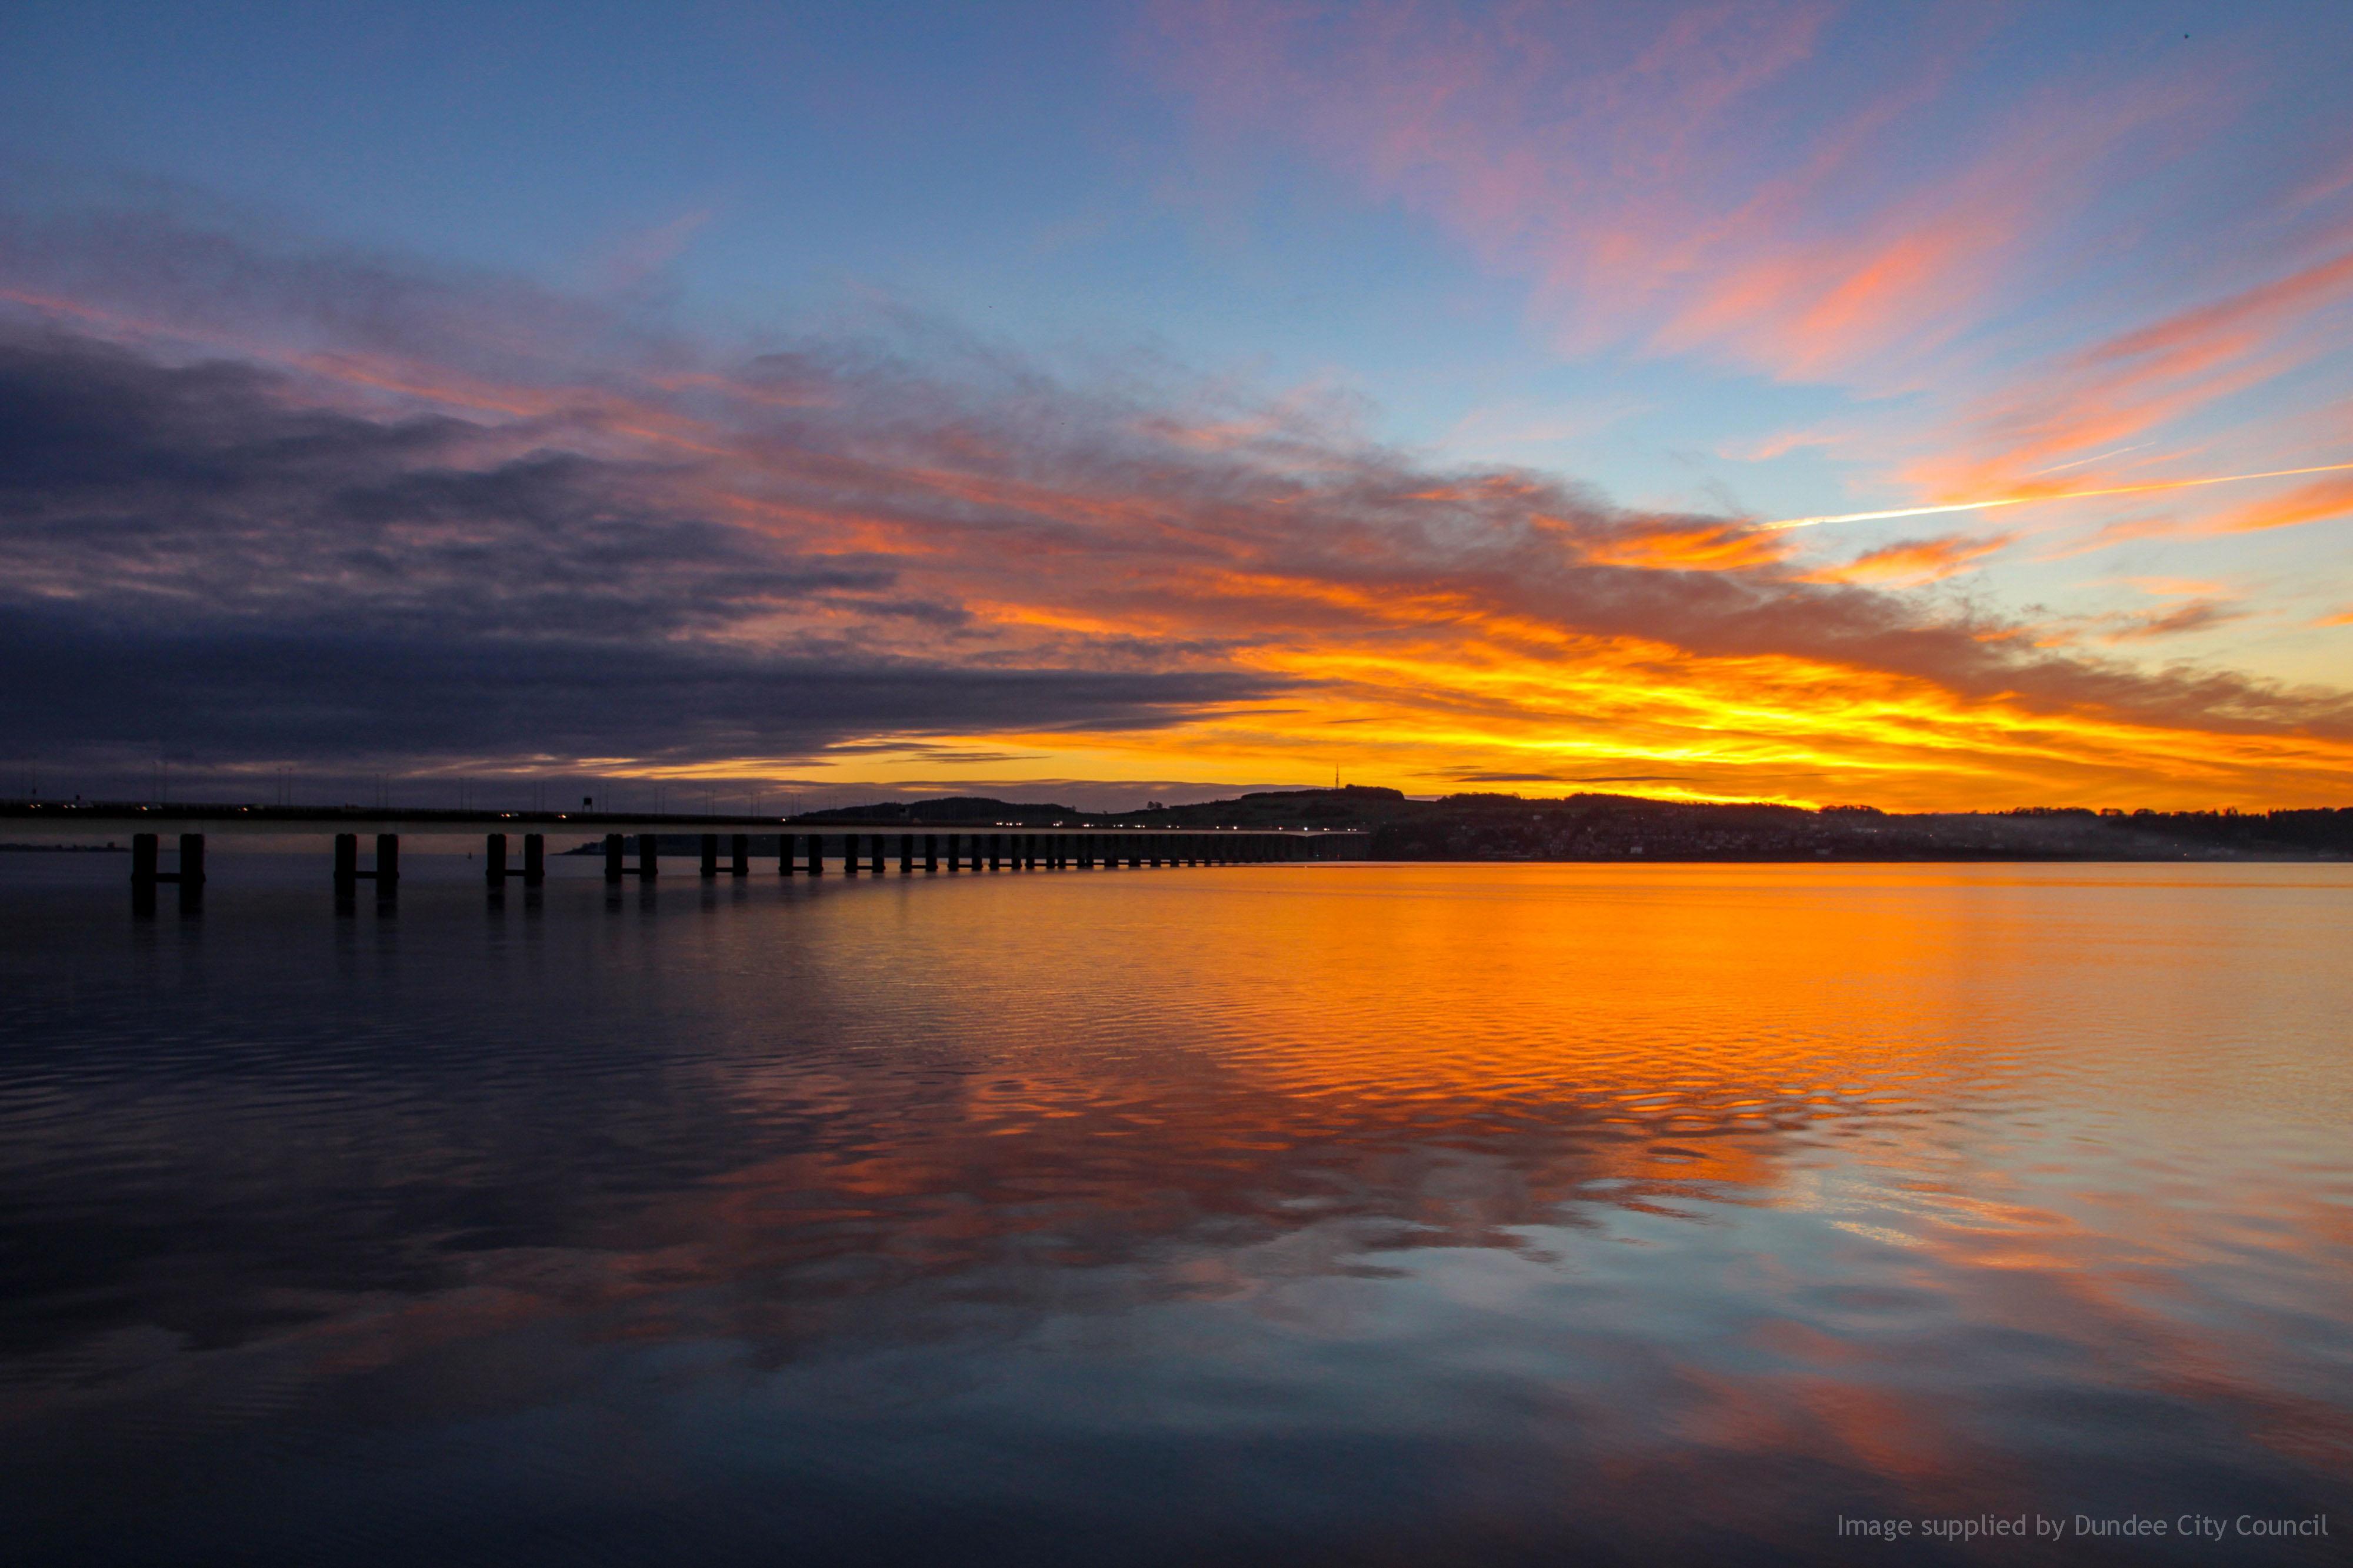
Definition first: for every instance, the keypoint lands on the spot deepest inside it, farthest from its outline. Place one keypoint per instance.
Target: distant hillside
(1627, 827)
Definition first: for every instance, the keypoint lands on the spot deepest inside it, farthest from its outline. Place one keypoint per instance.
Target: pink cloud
(1668, 179)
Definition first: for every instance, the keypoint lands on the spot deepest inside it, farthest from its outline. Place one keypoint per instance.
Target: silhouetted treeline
(1484, 827)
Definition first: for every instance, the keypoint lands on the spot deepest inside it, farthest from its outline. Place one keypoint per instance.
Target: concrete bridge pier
(906, 853)
(386, 874)
(147, 873)
(711, 855)
(739, 855)
(495, 869)
(648, 866)
(931, 852)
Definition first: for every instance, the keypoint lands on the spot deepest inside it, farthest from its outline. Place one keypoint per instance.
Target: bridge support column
(739, 855)
(816, 854)
(612, 866)
(387, 862)
(906, 855)
(649, 857)
(784, 866)
(146, 873)
(143, 873)
(931, 851)
(711, 855)
(191, 870)
(534, 859)
(494, 860)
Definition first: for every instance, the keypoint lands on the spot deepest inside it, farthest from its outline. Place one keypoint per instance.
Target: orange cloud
(1263, 605)
(1686, 545)
(2320, 501)
(1913, 561)
(2143, 380)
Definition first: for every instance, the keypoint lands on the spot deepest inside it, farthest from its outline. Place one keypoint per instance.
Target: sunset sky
(1092, 401)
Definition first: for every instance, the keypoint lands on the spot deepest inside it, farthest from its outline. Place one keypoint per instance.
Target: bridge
(633, 843)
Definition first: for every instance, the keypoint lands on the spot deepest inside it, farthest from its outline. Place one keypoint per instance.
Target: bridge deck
(116, 820)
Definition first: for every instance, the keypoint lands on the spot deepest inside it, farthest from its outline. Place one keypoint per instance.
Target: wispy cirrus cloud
(2034, 261)
(2147, 379)
(1734, 181)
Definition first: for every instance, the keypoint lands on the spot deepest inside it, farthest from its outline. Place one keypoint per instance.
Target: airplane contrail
(2112, 452)
(1789, 522)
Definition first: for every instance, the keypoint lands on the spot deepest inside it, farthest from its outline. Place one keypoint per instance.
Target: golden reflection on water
(1646, 1205)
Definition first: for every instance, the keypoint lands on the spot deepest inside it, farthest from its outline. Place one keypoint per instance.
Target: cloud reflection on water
(1517, 1208)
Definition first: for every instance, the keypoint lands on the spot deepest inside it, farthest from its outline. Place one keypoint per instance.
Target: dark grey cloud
(192, 558)
(226, 692)
(203, 490)
(2196, 616)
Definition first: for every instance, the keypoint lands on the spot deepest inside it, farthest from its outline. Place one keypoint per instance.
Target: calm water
(1317, 1213)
